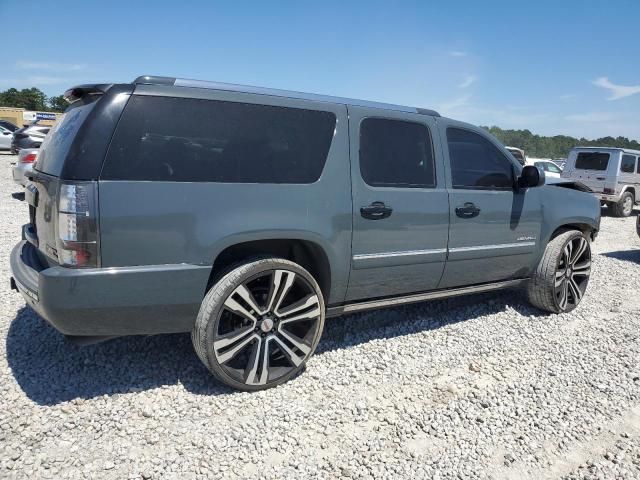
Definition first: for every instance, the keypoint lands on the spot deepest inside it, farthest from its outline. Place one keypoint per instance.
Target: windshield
(57, 143)
(592, 161)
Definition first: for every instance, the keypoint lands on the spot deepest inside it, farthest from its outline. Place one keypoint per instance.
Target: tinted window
(395, 153)
(476, 162)
(628, 164)
(192, 140)
(592, 161)
(56, 144)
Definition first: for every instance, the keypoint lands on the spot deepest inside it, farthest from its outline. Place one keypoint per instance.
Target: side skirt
(422, 297)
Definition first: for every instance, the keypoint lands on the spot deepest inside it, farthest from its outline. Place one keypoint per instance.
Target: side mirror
(531, 177)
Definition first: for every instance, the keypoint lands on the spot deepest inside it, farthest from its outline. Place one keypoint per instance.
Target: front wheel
(561, 279)
(259, 324)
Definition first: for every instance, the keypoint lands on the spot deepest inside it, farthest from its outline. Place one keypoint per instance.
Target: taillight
(30, 158)
(77, 225)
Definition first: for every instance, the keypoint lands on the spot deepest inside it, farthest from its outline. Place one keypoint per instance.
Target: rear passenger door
(494, 229)
(400, 204)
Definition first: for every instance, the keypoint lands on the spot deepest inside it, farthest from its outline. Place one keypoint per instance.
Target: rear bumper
(110, 301)
(608, 198)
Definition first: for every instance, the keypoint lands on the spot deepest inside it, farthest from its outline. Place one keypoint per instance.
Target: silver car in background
(6, 136)
(26, 159)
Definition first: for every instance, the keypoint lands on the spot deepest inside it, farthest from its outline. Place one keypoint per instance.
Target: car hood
(566, 183)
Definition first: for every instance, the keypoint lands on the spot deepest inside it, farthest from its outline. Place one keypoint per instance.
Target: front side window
(396, 153)
(476, 163)
(194, 140)
(628, 164)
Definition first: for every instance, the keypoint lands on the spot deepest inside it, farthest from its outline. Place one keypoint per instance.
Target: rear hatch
(42, 193)
(589, 167)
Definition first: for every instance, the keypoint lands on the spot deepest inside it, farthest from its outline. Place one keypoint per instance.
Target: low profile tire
(259, 324)
(624, 206)
(561, 279)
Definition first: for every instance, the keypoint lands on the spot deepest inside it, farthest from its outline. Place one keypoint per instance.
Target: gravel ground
(478, 387)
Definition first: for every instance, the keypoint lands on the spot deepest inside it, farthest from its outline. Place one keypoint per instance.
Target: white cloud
(617, 91)
(468, 81)
(456, 104)
(458, 53)
(48, 66)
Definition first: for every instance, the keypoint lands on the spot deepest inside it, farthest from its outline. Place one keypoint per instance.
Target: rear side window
(396, 153)
(628, 164)
(56, 144)
(193, 140)
(476, 163)
(592, 161)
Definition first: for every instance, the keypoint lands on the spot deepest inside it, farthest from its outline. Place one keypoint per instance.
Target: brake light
(30, 158)
(77, 225)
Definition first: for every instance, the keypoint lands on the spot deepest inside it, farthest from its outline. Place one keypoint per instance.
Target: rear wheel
(259, 324)
(624, 207)
(561, 279)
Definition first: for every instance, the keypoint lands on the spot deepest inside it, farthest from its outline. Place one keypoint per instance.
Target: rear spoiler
(76, 93)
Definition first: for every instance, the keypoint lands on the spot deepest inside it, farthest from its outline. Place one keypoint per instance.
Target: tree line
(557, 146)
(32, 99)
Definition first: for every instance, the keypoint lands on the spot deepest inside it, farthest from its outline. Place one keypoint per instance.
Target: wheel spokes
(295, 359)
(278, 293)
(235, 307)
(564, 295)
(582, 247)
(295, 341)
(260, 351)
(583, 268)
(246, 295)
(560, 277)
(224, 357)
(575, 291)
(300, 305)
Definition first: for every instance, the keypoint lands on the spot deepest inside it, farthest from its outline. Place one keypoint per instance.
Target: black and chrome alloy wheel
(572, 273)
(259, 324)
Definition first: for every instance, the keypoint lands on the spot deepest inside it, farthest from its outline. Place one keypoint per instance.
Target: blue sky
(555, 67)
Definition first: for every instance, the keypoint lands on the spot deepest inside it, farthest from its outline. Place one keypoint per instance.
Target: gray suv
(247, 215)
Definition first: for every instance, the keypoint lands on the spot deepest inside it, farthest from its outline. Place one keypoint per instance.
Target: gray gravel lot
(478, 387)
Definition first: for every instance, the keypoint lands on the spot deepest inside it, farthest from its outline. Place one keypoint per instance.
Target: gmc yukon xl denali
(247, 215)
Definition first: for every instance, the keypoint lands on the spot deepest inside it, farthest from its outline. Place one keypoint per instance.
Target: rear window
(628, 164)
(194, 140)
(592, 161)
(56, 144)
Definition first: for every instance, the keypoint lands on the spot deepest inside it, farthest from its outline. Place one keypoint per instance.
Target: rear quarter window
(194, 140)
(628, 164)
(56, 144)
(592, 161)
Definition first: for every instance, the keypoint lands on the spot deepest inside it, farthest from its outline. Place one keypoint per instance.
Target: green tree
(557, 146)
(58, 103)
(28, 98)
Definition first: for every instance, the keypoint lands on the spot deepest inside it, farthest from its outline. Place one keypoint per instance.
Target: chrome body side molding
(421, 297)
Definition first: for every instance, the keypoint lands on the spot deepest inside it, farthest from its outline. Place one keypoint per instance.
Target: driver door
(494, 229)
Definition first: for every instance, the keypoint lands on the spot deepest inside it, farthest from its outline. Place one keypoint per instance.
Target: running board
(421, 297)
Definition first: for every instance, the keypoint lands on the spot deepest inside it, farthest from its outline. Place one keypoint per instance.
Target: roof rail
(182, 82)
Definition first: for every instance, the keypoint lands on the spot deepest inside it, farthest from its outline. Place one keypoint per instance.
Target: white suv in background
(612, 173)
